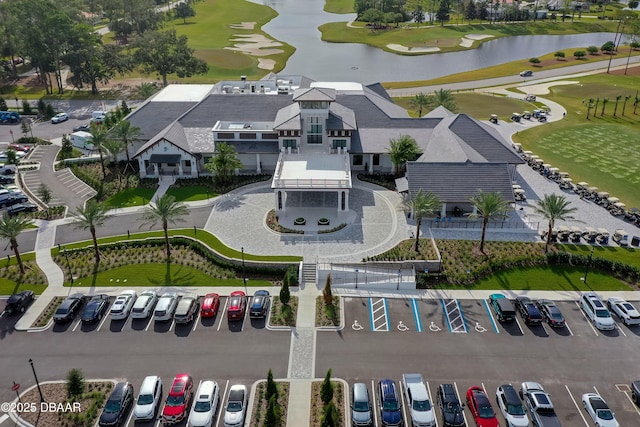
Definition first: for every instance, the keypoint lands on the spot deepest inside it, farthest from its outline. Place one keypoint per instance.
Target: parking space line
(375, 402)
(432, 402)
(587, 319)
(620, 329)
(446, 318)
(566, 325)
(416, 315)
(404, 409)
(493, 321)
(104, 319)
(194, 397)
(244, 320)
(544, 329)
(221, 313)
(129, 418)
(221, 403)
(76, 325)
(149, 323)
(519, 327)
(195, 323)
(455, 384)
(576, 405)
(628, 397)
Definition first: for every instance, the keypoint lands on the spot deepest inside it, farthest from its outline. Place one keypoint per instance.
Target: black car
(14, 199)
(21, 208)
(7, 179)
(635, 392)
(450, 406)
(82, 128)
(95, 309)
(529, 311)
(551, 312)
(69, 308)
(503, 307)
(259, 304)
(117, 407)
(18, 303)
(526, 73)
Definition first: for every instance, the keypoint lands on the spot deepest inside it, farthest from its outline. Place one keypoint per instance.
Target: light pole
(244, 276)
(37, 382)
(586, 270)
(68, 265)
(357, 278)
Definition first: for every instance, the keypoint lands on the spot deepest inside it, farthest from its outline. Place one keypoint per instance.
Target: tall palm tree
(488, 206)
(615, 109)
(224, 163)
(554, 207)
(126, 133)
(10, 228)
(418, 102)
(445, 98)
(92, 215)
(422, 204)
(100, 136)
(114, 147)
(168, 211)
(402, 150)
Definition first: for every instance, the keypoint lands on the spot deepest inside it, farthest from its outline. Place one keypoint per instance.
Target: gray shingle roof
(288, 118)
(484, 140)
(174, 133)
(153, 117)
(457, 182)
(341, 117)
(314, 94)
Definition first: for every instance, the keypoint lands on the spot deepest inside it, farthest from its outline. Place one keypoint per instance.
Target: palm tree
(445, 98)
(624, 104)
(604, 104)
(100, 136)
(554, 207)
(126, 133)
(488, 205)
(615, 109)
(422, 204)
(168, 211)
(224, 163)
(92, 215)
(113, 148)
(418, 102)
(402, 150)
(10, 228)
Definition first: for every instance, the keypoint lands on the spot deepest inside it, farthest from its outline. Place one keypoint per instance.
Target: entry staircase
(308, 274)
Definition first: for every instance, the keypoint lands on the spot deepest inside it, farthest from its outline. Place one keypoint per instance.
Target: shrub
(559, 55)
(75, 383)
(271, 417)
(285, 295)
(327, 295)
(272, 388)
(26, 108)
(608, 47)
(329, 416)
(326, 391)
(579, 54)
(534, 60)
(592, 50)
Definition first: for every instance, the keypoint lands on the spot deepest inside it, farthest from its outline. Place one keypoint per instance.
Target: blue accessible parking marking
(416, 315)
(493, 322)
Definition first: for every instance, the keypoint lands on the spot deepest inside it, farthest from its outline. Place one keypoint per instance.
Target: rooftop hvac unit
(226, 89)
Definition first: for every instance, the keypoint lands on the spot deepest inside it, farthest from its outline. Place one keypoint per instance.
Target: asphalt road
(26, 243)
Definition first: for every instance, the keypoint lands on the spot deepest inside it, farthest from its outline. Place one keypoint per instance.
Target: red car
(480, 407)
(177, 403)
(237, 305)
(210, 305)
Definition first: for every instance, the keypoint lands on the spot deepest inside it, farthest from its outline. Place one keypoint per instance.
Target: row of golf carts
(563, 233)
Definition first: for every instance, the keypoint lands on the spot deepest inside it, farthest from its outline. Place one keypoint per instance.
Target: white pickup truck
(418, 401)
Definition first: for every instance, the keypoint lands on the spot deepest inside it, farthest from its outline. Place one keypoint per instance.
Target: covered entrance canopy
(164, 158)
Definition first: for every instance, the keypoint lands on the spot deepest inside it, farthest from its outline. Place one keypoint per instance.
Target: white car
(59, 118)
(511, 406)
(144, 305)
(122, 305)
(597, 312)
(599, 411)
(148, 400)
(166, 306)
(624, 310)
(205, 405)
(236, 406)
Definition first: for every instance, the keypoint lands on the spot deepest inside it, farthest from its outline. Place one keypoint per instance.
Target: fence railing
(469, 224)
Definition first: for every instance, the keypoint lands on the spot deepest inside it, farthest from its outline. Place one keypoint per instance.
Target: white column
(370, 164)
(156, 171)
(475, 210)
(194, 167)
(443, 211)
(258, 167)
(346, 200)
(180, 168)
(143, 170)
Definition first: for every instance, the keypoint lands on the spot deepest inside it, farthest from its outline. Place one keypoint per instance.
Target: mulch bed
(317, 405)
(322, 319)
(260, 404)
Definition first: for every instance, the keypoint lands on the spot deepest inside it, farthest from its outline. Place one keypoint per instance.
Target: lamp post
(68, 265)
(244, 276)
(37, 382)
(586, 270)
(357, 278)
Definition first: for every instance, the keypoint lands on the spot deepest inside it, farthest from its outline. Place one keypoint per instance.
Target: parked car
(529, 311)
(389, 403)
(236, 406)
(7, 179)
(480, 407)
(14, 199)
(502, 307)
(259, 304)
(143, 307)
(123, 304)
(59, 118)
(596, 311)
(360, 406)
(625, 311)
(511, 406)
(210, 305)
(83, 128)
(416, 395)
(237, 305)
(526, 73)
(118, 405)
(635, 392)
(21, 208)
(18, 303)
(205, 404)
(175, 407)
(166, 306)
(449, 403)
(551, 313)
(148, 400)
(187, 308)
(599, 411)
(69, 308)
(20, 147)
(95, 308)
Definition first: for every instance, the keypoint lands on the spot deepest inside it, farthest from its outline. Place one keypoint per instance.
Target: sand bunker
(467, 41)
(255, 44)
(543, 88)
(401, 48)
(243, 26)
(266, 64)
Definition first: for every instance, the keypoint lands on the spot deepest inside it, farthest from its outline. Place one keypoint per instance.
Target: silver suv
(596, 311)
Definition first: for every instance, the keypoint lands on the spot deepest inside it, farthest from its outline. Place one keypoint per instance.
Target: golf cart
(494, 119)
(516, 117)
(554, 235)
(575, 234)
(532, 159)
(603, 236)
(530, 98)
(537, 164)
(566, 183)
(518, 194)
(591, 193)
(526, 115)
(602, 198)
(589, 234)
(632, 215)
(517, 146)
(554, 174)
(621, 237)
(542, 117)
(563, 233)
(618, 209)
(546, 169)
(610, 202)
(526, 154)
(536, 113)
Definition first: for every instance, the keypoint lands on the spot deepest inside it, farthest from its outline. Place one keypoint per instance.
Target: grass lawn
(130, 197)
(160, 274)
(339, 6)
(9, 287)
(597, 150)
(204, 236)
(513, 68)
(625, 255)
(554, 277)
(191, 194)
(448, 37)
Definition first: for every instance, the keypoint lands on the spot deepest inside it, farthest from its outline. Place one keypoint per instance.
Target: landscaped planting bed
(278, 318)
(46, 315)
(405, 251)
(32, 274)
(323, 313)
(317, 406)
(260, 404)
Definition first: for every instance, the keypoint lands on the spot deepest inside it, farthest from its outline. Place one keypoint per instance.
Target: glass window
(357, 160)
(187, 163)
(247, 135)
(376, 160)
(339, 143)
(286, 143)
(225, 135)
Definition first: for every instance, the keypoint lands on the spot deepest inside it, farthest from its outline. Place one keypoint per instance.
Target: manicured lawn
(597, 150)
(204, 236)
(554, 278)
(160, 274)
(130, 197)
(629, 256)
(339, 6)
(8, 287)
(191, 194)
